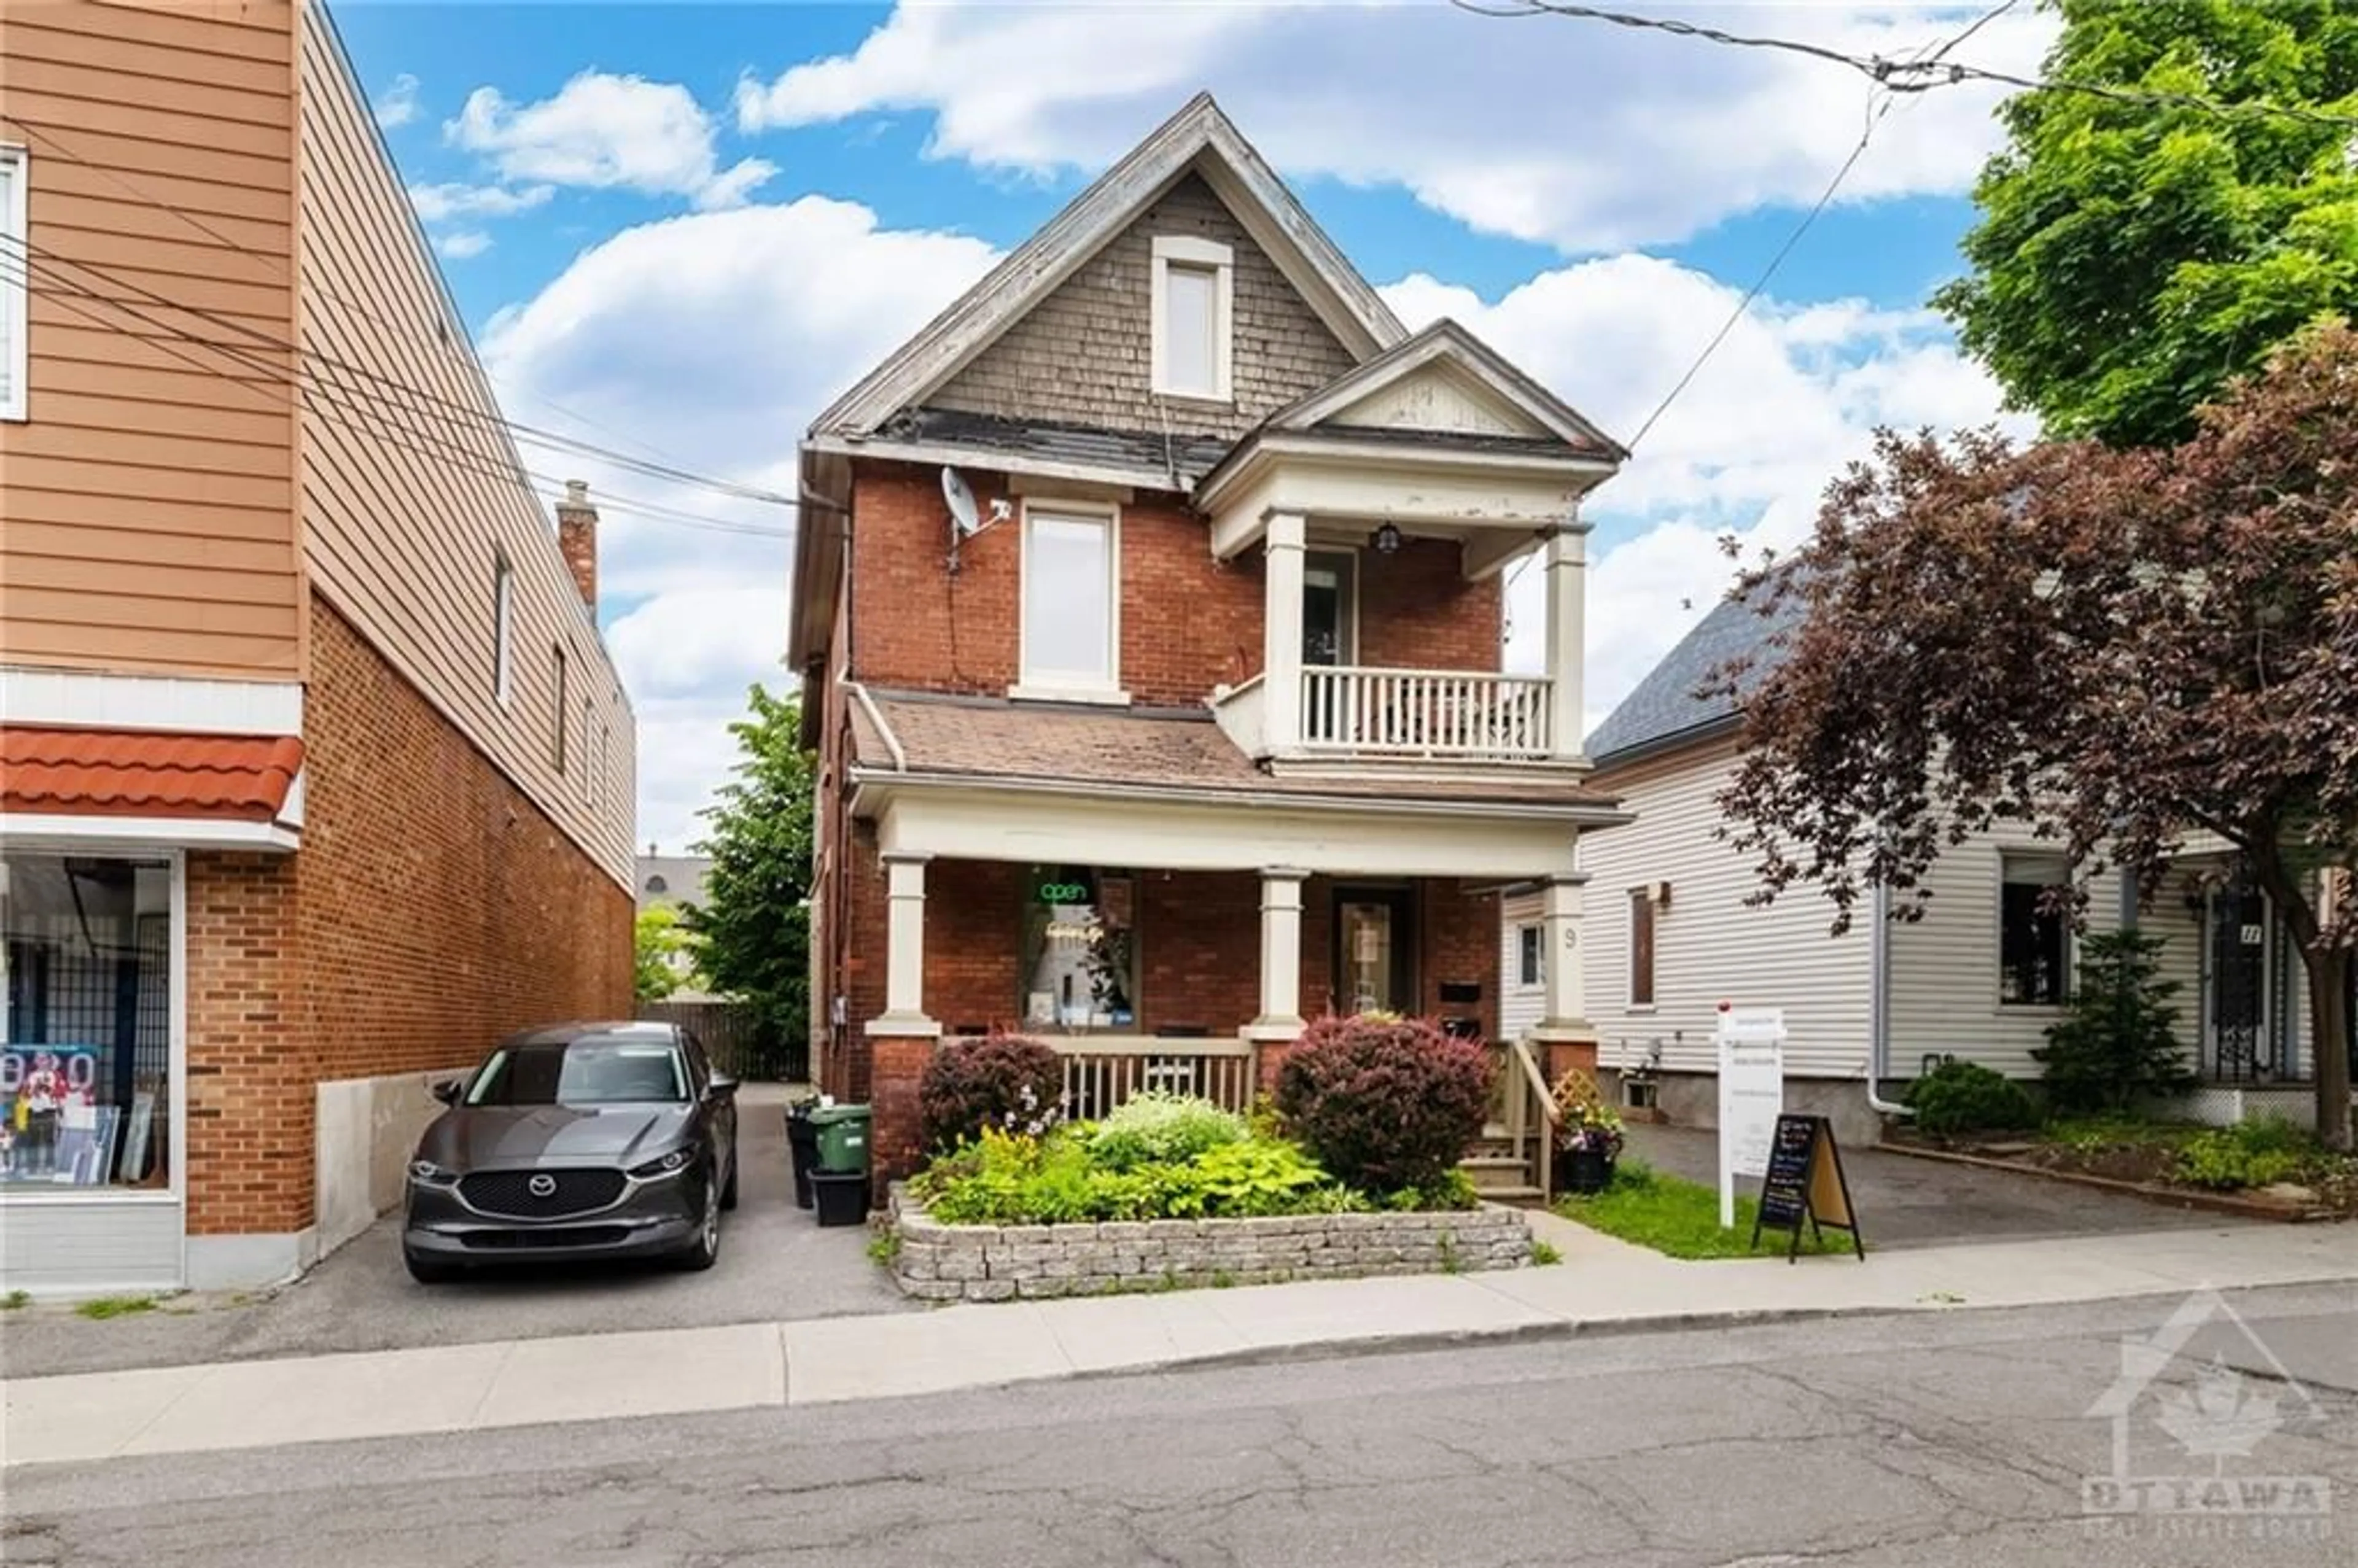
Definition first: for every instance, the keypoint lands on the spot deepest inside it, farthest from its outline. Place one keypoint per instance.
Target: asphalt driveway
(775, 1263)
(1907, 1202)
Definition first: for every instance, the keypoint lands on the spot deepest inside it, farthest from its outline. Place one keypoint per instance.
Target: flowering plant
(1584, 1122)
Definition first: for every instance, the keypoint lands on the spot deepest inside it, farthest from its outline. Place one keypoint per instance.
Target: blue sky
(682, 228)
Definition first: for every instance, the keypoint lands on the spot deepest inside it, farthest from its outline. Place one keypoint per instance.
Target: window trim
(1642, 899)
(1189, 252)
(2071, 970)
(1531, 935)
(1065, 685)
(16, 298)
(502, 628)
(588, 760)
(1348, 556)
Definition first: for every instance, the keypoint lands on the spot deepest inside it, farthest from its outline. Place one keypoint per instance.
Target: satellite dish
(965, 518)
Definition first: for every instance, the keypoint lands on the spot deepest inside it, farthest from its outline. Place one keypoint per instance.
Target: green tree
(754, 922)
(663, 937)
(2132, 259)
(2120, 1045)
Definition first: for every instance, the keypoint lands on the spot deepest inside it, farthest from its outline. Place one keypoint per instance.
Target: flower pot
(1582, 1170)
(842, 1196)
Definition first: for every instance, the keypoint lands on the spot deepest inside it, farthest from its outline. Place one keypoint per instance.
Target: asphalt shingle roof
(1664, 707)
(1057, 441)
(1163, 748)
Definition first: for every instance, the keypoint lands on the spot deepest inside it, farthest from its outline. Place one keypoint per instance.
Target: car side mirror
(721, 1088)
(446, 1091)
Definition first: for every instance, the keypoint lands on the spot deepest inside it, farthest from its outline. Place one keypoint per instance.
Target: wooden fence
(741, 1043)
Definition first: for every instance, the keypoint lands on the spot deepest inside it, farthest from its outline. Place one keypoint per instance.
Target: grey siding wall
(1084, 353)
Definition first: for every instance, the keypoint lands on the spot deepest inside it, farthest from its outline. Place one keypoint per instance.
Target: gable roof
(1199, 138)
(1449, 350)
(1663, 710)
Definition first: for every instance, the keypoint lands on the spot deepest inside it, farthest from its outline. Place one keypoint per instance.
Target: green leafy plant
(752, 930)
(1385, 1103)
(1965, 1097)
(15, 1299)
(883, 1247)
(104, 1307)
(1545, 1255)
(1162, 1129)
(2256, 1153)
(1014, 1179)
(2119, 1046)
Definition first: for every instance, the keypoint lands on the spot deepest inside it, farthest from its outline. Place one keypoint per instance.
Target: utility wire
(532, 435)
(373, 419)
(1921, 75)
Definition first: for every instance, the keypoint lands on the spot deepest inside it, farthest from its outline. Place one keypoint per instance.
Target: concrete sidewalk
(1602, 1284)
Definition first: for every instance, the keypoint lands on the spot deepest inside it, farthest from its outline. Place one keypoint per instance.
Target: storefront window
(86, 1057)
(1080, 949)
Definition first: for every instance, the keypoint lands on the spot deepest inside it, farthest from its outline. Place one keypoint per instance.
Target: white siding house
(1670, 935)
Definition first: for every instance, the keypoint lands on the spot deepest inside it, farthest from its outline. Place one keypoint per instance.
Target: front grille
(508, 1193)
(569, 1236)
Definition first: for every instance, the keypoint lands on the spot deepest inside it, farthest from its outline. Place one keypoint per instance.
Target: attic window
(1194, 317)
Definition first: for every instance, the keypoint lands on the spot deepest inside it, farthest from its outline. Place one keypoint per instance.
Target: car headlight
(426, 1173)
(678, 1159)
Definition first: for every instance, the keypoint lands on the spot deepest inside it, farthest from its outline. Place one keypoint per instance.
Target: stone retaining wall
(995, 1263)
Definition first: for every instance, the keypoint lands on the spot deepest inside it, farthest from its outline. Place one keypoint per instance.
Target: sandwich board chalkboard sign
(1805, 1184)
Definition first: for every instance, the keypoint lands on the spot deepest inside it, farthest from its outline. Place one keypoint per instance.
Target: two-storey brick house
(316, 776)
(1149, 614)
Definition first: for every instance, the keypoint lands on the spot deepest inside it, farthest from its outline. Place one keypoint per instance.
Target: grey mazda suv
(581, 1141)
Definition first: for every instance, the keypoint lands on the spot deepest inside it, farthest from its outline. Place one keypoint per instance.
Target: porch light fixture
(1386, 539)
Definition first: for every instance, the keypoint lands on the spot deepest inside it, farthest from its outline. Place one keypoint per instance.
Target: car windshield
(583, 1072)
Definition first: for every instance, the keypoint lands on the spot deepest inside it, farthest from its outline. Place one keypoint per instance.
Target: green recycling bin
(843, 1136)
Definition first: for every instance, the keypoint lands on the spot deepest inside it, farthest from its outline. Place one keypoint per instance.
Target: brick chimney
(577, 536)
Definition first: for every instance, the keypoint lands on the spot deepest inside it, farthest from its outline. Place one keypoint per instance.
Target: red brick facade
(431, 909)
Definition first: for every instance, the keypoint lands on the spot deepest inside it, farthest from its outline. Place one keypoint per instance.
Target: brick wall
(1417, 611)
(1084, 353)
(431, 910)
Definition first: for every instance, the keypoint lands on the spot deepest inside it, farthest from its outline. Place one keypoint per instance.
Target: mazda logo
(542, 1186)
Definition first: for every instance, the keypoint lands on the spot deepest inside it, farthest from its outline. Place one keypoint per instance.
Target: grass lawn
(1681, 1218)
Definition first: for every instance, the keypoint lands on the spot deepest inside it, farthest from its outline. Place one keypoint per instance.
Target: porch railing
(1424, 713)
(1528, 1113)
(1101, 1073)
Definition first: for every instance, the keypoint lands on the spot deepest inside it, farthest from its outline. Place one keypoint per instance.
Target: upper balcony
(1440, 453)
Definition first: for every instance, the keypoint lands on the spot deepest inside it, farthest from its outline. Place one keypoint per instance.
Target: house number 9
(1570, 937)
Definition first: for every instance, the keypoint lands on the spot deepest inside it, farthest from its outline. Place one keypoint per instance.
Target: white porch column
(1280, 651)
(1564, 967)
(904, 949)
(1565, 558)
(1281, 956)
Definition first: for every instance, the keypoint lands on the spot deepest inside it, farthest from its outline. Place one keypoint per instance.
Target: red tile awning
(146, 774)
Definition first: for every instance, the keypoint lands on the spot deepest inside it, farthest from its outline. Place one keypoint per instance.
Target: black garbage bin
(802, 1146)
(842, 1196)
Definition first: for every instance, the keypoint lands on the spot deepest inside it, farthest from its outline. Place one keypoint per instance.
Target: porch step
(1514, 1197)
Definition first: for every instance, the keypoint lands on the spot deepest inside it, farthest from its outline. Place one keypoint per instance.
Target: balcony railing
(1424, 713)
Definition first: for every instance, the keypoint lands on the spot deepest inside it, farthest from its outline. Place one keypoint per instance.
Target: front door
(1375, 950)
(2237, 1036)
(1330, 611)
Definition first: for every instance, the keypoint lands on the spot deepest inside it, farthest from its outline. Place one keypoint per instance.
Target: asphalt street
(1962, 1439)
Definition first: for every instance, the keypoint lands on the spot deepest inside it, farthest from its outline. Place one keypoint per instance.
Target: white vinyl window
(503, 628)
(1194, 315)
(1071, 631)
(1530, 957)
(14, 285)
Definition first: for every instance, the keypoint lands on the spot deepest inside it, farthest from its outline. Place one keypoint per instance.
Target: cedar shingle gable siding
(1086, 353)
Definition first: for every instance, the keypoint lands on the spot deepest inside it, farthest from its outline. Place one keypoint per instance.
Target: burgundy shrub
(1385, 1104)
(1006, 1081)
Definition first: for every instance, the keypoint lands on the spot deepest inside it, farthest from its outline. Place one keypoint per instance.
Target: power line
(1916, 75)
(372, 420)
(531, 435)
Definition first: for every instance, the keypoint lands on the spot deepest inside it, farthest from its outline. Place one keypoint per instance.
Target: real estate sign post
(1751, 1095)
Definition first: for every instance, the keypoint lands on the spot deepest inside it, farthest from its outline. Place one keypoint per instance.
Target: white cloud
(439, 203)
(710, 339)
(397, 104)
(1588, 137)
(462, 244)
(607, 131)
(1791, 396)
